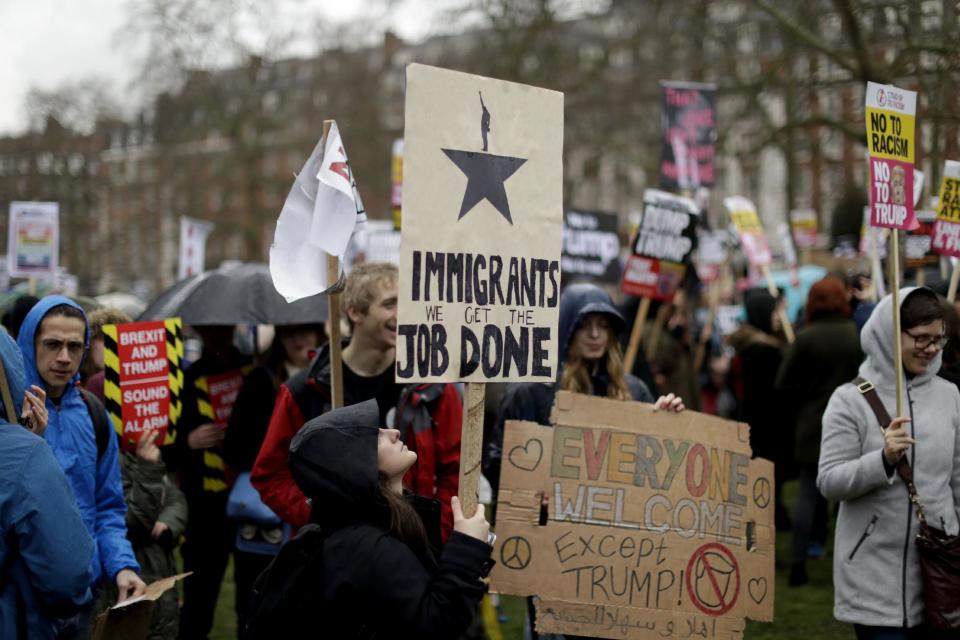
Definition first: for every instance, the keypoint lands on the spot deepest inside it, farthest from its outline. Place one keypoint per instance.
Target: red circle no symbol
(719, 581)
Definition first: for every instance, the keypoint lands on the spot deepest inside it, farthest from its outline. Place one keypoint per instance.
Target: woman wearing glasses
(876, 572)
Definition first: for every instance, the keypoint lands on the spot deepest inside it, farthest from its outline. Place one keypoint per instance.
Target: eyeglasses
(923, 342)
(52, 345)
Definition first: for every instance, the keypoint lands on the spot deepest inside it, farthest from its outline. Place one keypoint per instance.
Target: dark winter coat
(825, 355)
(373, 584)
(151, 497)
(755, 366)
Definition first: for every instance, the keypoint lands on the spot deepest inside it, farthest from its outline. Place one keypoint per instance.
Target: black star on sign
(486, 174)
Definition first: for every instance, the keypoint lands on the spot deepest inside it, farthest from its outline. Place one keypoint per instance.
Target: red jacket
(429, 417)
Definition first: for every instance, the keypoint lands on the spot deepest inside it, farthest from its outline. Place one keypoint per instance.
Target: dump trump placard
(890, 115)
(662, 246)
(482, 227)
(657, 525)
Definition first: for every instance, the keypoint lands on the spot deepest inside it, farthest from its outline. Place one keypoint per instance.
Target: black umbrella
(240, 294)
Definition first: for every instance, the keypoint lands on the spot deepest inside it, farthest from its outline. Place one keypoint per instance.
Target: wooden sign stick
(663, 313)
(636, 334)
(336, 359)
(784, 316)
(707, 331)
(897, 338)
(954, 280)
(471, 446)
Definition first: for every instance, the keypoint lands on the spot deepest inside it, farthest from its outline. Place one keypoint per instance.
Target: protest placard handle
(954, 280)
(662, 314)
(471, 446)
(32, 286)
(333, 275)
(634, 345)
(784, 316)
(897, 338)
(707, 332)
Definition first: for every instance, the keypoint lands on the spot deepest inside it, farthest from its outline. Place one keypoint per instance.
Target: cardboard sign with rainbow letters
(891, 122)
(634, 524)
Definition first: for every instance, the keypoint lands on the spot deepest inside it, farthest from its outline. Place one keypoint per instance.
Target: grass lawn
(804, 613)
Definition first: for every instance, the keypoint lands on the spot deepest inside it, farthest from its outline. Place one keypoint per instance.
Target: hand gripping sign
(658, 525)
(143, 379)
(890, 115)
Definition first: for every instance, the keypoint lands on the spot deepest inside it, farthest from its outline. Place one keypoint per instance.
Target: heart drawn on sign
(527, 456)
(757, 588)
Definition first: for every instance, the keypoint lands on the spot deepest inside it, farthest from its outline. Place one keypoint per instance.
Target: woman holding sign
(365, 566)
(876, 570)
(591, 363)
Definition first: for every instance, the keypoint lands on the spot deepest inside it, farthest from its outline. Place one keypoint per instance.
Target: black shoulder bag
(939, 552)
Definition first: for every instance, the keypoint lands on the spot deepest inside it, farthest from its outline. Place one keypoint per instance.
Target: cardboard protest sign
(143, 379)
(890, 114)
(482, 224)
(745, 220)
(378, 241)
(917, 249)
(728, 318)
(219, 394)
(803, 222)
(711, 253)
(946, 228)
(33, 239)
(661, 247)
(591, 246)
(130, 619)
(659, 525)
(689, 135)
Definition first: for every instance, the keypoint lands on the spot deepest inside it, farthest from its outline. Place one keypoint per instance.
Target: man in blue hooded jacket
(53, 340)
(44, 547)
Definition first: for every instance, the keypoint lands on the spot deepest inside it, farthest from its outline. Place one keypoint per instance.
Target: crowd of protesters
(366, 495)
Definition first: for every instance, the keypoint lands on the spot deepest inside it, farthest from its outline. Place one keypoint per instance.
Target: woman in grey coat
(876, 572)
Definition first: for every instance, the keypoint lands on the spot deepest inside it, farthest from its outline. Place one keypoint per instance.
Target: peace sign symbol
(515, 553)
(761, 492)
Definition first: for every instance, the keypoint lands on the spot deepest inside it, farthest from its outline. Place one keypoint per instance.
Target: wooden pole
(895, 292)
(954, 280)
(706, 334)
(921, 276)
(636, 334)
(336, 359)
(32, 286)
(471, 446)
(784, 316)
(663, 314)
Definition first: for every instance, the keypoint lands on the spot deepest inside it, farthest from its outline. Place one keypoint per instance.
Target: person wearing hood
(53, 341)
(825, 355)
(759, 352)
(46, 550)
(876, 571)
(591, 363)
(375, 555)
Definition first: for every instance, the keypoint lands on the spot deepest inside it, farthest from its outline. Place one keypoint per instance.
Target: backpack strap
(869, 392)
(98, 415)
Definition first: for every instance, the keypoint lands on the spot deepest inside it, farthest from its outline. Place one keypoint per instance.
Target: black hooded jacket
(374, 584)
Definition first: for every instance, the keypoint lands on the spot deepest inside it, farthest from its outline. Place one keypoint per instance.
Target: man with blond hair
(427, 415)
